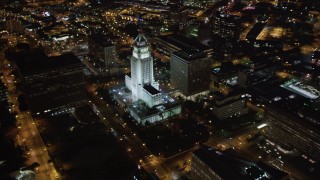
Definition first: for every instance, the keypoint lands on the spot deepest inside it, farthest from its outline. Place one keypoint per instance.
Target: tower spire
(140, 40)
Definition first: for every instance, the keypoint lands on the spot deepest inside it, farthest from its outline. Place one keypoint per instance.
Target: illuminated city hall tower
(145, 102)
(141, 83)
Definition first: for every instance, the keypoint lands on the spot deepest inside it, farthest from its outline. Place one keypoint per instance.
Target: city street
(29, 136)
(136, 149)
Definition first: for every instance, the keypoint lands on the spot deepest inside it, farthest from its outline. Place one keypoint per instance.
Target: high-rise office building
(52, 84)
(4, 102)
(209, 163)
(13, 25)
(6, 113)
(103, 49)
(225, 35)
(190, 71)
(3, 93)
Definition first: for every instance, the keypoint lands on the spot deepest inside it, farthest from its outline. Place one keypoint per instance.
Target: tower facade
(190, 71)
(225, 34)
(103, 49)
(141, 83)
(144, 100)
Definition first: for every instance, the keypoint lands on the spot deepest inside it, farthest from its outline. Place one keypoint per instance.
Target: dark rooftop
(255, 31)
(230, 166)
(151, 89)
(316, 54)
(235, 92)
(37, 61)
(190, 54)
(2, 86)
(101, 39)
(183, 42)
(143, 111)
(293, 105)
(85, 114)
(228, 18)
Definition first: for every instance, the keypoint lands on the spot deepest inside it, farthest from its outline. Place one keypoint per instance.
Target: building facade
(190, 71)
(293, 132)
(53, 84)
(5, 108)
(3, 93)
(13, 25)
(225, 35)
(103, 49)
(142, 83)
(212, 164)
(229, 106)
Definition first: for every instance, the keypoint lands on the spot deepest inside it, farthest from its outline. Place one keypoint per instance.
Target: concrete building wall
(231, 106)
(190, 77)
(200, 171)
(292, 132)
(59, 88)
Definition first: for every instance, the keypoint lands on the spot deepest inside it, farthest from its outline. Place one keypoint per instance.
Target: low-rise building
(209, 163)
(293, 132)
(225, 106)
(174, 42)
